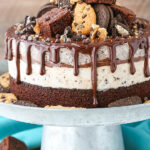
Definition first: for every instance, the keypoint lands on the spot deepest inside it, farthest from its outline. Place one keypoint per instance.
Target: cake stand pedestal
(82, 138)
(77, 129)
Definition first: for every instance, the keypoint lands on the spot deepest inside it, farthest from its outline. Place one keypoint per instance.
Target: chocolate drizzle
(6, 49)
(113, 62)
(75, 56)
(18, 62)
(10, 55)
(54, 49)
(54, 52)
(146, 62)
(94, 75)
(42, 70)
(29, 63)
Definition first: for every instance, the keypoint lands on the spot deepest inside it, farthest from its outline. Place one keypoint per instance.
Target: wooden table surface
(13, 11)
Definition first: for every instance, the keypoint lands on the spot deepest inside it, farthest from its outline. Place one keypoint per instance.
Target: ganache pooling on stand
(82, 27)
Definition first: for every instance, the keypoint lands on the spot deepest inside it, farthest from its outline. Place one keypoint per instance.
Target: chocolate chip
(83, 22)
(106, 81)
(84, 16)
(75, 24)
(13, 100)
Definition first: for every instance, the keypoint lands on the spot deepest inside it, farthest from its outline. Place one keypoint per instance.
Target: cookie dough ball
(84, 17)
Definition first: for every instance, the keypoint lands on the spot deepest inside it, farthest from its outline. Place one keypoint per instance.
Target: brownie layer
(75, 98)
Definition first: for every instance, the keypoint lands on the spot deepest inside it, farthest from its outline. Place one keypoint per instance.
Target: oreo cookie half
(44, 9)
(111, 21)
(103, 15)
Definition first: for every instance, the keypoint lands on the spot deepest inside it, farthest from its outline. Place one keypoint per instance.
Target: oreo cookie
(44, 9)
(111, 21)
(103, 15)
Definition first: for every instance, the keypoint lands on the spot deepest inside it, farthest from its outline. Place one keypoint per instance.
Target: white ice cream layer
(60, 77)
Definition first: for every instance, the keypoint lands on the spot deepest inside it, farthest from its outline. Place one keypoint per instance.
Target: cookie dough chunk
(100, 1)
(4, 83)
(54, 22)
(84, 17)
(127, 13)
(103, 15)
(96, 31)
(8, 98)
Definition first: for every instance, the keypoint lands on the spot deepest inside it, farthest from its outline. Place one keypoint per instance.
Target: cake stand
(78, 129)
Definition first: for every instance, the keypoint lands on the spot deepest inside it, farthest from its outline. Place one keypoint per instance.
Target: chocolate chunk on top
(128, 14)
(54, 22)
(100, 1)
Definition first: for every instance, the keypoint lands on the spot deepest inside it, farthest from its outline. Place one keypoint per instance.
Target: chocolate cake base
(75, 98)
